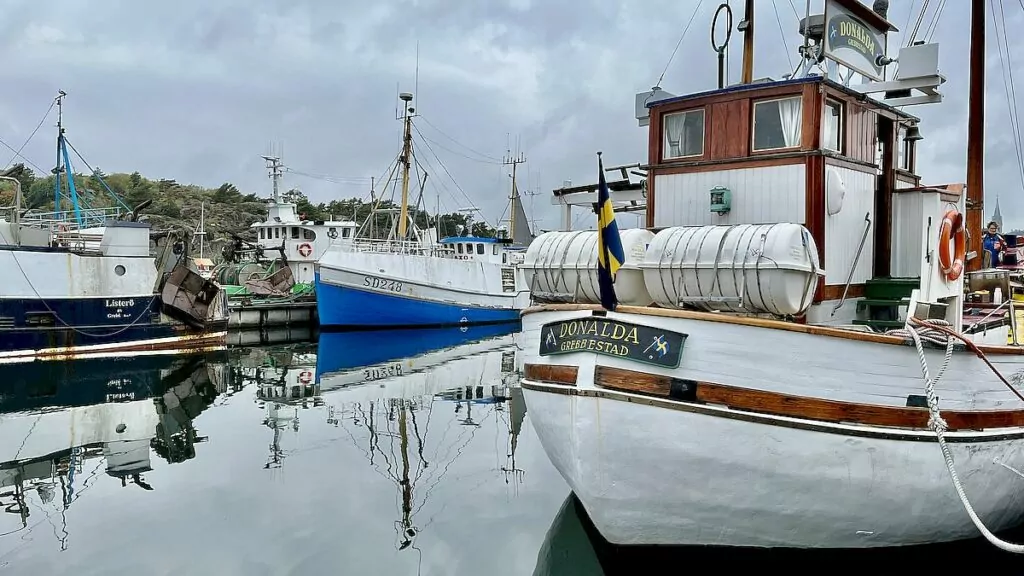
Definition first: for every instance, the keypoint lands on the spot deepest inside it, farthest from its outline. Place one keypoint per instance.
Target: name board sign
(613, 338)
(852, 42)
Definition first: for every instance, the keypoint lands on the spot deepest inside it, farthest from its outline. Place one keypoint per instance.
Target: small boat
(411, 280)
(740, 395)
(83, 282)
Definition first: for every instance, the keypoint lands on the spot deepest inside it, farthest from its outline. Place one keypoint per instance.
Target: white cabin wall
(759, 196)
(844, 230)
(66, 275)
(907, 208)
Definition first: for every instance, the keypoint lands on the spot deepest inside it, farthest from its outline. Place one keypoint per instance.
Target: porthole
(119, 270)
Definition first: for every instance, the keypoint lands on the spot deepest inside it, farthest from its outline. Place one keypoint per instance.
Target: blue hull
(343, 307)
(339, 351)
(30, 325)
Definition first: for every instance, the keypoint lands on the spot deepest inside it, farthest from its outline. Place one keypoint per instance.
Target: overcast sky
(197, 90)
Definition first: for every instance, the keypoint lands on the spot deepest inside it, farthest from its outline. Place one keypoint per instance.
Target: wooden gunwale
(757, 323)
(792, 406)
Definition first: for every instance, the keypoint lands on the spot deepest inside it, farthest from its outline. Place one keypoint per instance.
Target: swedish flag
(609, 246)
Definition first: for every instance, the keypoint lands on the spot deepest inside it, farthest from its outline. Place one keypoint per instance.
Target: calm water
(405, 452)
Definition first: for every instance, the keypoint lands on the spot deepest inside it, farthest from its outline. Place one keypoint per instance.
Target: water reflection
(60, 421)
(399, 452)
(573, 547)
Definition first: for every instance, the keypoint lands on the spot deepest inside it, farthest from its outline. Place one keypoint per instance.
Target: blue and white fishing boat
(411, 280)
(83, 282)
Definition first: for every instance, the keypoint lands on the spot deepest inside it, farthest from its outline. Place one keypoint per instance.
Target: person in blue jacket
(994, 243)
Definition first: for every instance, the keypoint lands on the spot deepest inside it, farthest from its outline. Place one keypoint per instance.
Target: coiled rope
(937, 332)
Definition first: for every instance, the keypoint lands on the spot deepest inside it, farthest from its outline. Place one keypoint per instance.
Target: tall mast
(513, 161)
(976, 135)
(276, 168)
(747, 26)
(406, 161)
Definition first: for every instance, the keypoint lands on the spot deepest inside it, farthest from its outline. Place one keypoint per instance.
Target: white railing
(66, 221)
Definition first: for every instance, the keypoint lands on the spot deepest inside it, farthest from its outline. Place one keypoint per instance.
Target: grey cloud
(195, 90)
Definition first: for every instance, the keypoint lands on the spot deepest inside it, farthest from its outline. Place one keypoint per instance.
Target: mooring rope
(937, 332)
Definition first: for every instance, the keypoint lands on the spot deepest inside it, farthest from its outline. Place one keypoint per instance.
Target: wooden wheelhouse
(808, 150)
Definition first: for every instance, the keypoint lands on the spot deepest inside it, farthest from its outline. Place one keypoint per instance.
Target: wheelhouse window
(479, 248)
(263, 233)
(295, 232)
(684, 134)
(308, 234)
(832, 124)
(777, 123)
(459, 248)
(345, 232)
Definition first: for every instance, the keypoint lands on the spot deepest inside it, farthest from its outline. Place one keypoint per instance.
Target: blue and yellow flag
(609, 245)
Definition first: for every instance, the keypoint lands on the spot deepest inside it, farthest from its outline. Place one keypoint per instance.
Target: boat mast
(976, 136)
(406, 161)
(747, 27)
(513, 161)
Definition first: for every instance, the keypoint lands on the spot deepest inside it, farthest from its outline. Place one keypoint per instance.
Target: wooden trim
(814, 211)
(805, 407)
(785, 159)
(551, 373)
(715, 411)
(754, 92)
(835, 291)
(850, 164)
(754, 322)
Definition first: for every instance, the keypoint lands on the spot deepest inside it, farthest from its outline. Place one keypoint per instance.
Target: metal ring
(728, 30)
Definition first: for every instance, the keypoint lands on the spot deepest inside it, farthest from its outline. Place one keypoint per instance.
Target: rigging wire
(935, 21)
(679, 43)
(474, 151)
(19, 155)
(1008, 85)
(17, 152)
(782, 32)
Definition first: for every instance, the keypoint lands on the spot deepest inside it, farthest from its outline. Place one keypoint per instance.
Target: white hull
(481, 363)
(664, 471)
(426, 278)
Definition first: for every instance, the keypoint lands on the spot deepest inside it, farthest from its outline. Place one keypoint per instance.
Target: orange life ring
(951, 231)
(305, 249)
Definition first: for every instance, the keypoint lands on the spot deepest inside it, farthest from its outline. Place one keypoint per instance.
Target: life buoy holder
(952, 245)
(305, 249)
(306, 377)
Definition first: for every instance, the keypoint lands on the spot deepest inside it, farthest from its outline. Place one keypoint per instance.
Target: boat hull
(343, 306)
(90, 327)
(655, 469)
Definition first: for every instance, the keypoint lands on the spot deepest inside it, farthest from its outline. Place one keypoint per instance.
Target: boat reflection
(118, 411)
(573, 546)
(389, 389)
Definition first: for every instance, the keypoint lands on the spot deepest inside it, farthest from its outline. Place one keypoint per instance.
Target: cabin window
(684, 134)
(504, 257)
(494, 249)
(832, 124)
(308, 234)
(263, 233)
(277, 232)
(295, 232)
(903, 150)
(777, 123)
(479, 248)
(459, 248)
(346, 232)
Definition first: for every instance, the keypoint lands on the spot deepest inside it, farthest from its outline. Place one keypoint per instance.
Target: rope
(927, 330)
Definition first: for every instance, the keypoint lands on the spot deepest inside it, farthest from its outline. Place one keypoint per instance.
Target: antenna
(514, 161)
(275, 168)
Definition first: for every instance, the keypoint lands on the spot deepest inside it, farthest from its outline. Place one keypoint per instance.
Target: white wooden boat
(752, 403)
